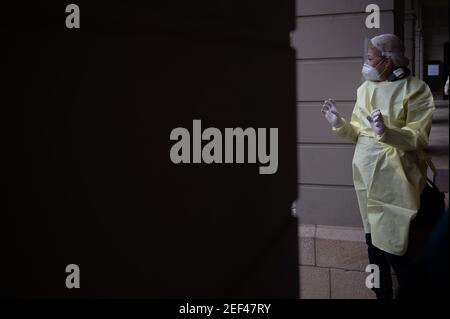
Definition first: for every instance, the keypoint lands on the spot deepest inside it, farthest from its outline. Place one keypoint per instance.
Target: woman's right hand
(331, 114)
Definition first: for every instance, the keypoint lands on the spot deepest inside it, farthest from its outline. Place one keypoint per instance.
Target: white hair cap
(390, 45)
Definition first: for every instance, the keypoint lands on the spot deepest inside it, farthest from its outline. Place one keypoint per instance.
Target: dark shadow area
(87, 177)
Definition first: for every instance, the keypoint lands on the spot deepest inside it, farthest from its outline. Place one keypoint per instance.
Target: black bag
(432, 205)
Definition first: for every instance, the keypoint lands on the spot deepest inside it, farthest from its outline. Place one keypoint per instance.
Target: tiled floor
(333, 262)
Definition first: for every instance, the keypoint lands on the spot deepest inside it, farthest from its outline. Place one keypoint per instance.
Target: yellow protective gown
(389, 172)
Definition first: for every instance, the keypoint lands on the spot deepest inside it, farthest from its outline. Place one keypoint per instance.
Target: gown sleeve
(414, 135)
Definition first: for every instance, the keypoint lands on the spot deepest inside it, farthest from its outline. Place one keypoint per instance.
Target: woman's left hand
(377, 122)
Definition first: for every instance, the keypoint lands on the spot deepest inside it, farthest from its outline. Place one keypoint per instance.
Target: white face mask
(370, 73)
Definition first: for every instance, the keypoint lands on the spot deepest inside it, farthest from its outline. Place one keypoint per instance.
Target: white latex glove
(377, 122)
(331, 114)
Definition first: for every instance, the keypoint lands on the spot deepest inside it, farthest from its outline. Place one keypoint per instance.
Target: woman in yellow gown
(390, 125)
